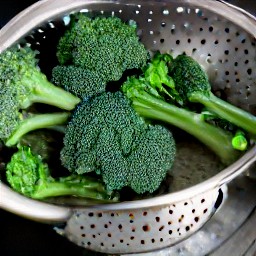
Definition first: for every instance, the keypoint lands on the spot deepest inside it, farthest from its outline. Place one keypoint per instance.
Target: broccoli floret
(29, 175)
(78, 81)
(104, 47)
(150, 97)
(106, 136)
(192, 83)
(155, 154)
(21, 85)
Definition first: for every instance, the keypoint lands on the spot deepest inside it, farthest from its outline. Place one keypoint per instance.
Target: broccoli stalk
(34, 122)
(43, 91)
(152, 96)
(149, 106)
(23, 84)
(28, 175)
(193, 85)
(21, 77)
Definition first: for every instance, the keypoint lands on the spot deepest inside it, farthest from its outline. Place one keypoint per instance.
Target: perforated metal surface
(227, 52)
(223, 48)
(140, 230)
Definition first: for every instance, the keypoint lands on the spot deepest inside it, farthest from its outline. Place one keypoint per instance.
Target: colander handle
(32, 209)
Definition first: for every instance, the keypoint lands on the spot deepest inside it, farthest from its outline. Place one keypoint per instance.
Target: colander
(221, 38)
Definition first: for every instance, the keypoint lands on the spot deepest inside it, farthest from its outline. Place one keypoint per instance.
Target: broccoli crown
(78, 81)
(107, 110)
(189, 77)
(9, 116)
(106, 136)
(15, 64)
(192, 83)
(22, 84)
(22, 172)
(22, 79)
(105, 45)
(145, 167)
(29, 175)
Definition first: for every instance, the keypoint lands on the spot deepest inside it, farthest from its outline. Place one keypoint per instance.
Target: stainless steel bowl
(222, 39)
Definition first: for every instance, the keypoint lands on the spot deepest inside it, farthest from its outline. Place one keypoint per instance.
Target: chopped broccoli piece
(30, 176)
(192, 83)
(21, 85)
(103, 47)
(152, 100)
(239, 141)
(106, 136)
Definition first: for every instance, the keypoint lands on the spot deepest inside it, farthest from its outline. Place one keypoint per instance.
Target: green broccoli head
(106, 136)
(105, 45)
(78, 81)
(145, 167)
(154, 156)
(23, 171)
(189, 77)
(29, 175)
(21, 85)
(9, 116)
(15, 67)
(22, 80)
(192, 83)
(107, 110)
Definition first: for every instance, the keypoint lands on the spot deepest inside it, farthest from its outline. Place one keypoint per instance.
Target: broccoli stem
(38, 121)
(45, 92)
(219, 141)
(73, 185)
(226, 111)
(54, 189)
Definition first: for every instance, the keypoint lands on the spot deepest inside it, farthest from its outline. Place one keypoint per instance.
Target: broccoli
(106, 136)
(240, 140)
(103, 47)
(151, 98)
(21, 85)
(192, 83)
(23, 123)
(78, 81)
(29, 175)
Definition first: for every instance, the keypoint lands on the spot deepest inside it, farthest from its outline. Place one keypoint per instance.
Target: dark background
(19, 236)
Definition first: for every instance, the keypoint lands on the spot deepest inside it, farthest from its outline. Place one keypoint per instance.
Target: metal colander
(222, 39)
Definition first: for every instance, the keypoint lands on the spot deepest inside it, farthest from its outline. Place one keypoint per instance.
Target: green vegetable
(103, 47)
(239, 141)
(31, 122)
(30, 176)
(21, 85)
(151, 99)
(106, 136)
(79, 81)
(192, 83)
